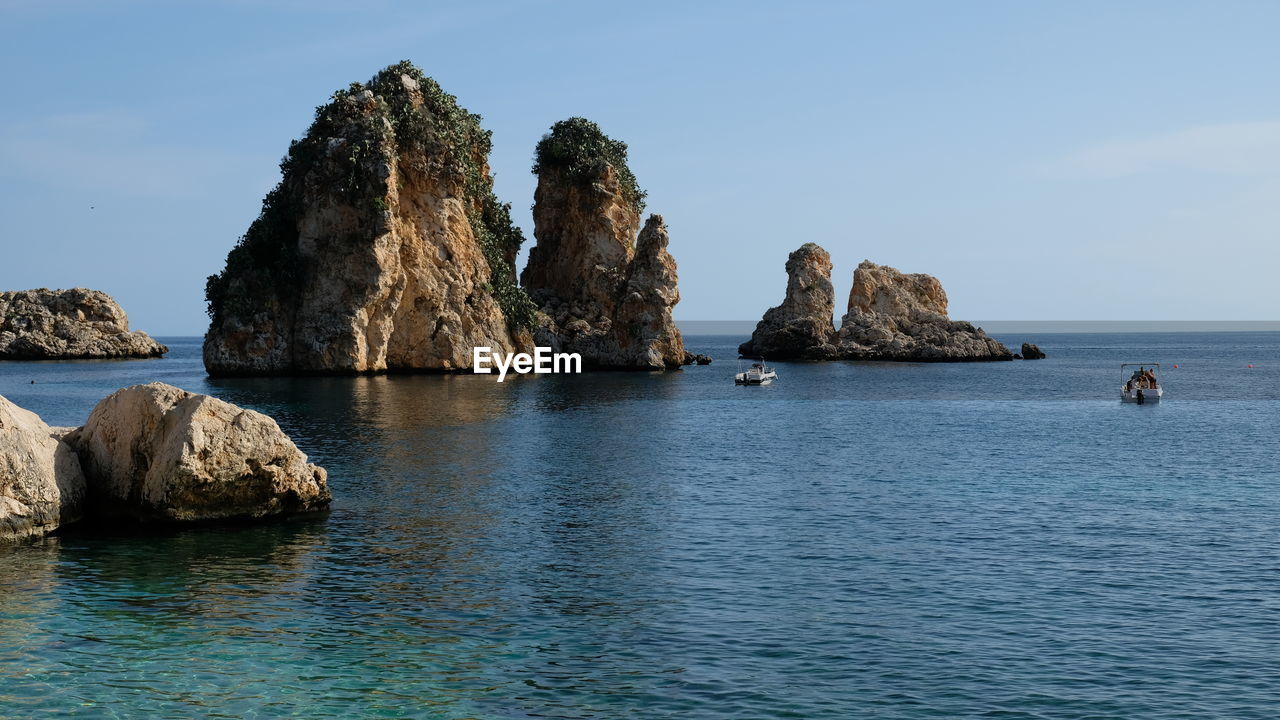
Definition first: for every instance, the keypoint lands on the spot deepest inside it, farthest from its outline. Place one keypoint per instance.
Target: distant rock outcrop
(156, 452)
(41, 486)
(68, 324)
(801, 327)
(605, 292)
(896, 316)
(1032, 352)
(382, 248)
(890, 316)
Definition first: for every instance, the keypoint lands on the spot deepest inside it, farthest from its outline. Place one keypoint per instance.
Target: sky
(1045, 160)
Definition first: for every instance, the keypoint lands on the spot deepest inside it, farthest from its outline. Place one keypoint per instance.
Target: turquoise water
(857, 540)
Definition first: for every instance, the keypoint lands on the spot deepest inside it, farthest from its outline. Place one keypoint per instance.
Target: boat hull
(1148, 396)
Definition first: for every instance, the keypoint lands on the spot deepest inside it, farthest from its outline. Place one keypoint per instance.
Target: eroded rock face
(605, 293)
(801, 327)
(41, 486)
(896, 316)
(68, 324)
(586, 238)
(156, 452)
(891, 316)
(383, 247)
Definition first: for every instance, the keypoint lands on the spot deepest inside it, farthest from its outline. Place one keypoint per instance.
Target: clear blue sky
(1067, 160)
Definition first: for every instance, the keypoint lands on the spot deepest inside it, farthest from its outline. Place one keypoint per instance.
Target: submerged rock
(41, 486)
(382, 248)
(604, 291)
(801, 327)
(890, 316)
(1031, 352)
(68, 324)
(156, 452)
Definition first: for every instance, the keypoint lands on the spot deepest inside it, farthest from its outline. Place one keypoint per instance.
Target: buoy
(1248, 365)
(1175, 367)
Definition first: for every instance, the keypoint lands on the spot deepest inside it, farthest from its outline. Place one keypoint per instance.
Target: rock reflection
(558, 393)
(165, 579)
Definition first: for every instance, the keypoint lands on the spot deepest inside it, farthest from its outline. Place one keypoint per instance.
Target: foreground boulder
(606, 286)
(68, 324)
(1032, 352)
(382, 248)
(41, 486)
(801, 327)
(890, 316)
(156, 452)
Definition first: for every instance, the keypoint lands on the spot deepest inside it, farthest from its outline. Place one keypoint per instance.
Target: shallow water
(855, 540)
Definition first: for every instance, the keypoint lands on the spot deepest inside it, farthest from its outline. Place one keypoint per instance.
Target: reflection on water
(856, 540)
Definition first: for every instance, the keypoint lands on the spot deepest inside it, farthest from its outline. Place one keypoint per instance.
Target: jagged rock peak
(897, 316)
(382, 248)
(605, 292)
(882, 289)
(652, 291)
(891, 316)
(66, 324)
(801, 327)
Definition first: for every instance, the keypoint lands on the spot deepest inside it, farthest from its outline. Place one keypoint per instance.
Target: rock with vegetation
(68, 324)
(41, 486)
(1032, 352)
(158, 453)
(606, 285)
(891, 316)
(801, 327)
(382, 248)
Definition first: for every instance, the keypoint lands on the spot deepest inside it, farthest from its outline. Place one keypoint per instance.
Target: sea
(856, 540)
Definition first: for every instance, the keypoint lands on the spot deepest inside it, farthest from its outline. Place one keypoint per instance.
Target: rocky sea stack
(382, 248)
(606, 286)
(890, 316)
(69, 324)
(800, 328)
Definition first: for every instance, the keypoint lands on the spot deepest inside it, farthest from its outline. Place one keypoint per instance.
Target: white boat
(757, 374)
(1142, 386)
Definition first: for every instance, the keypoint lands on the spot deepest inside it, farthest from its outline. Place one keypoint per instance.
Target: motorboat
(757, 374)
(1141, 386)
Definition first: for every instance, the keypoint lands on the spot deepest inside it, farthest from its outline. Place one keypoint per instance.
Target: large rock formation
(605, 293)
(41, 486)
(156, 452)
(382, 248)
(66, 324)
(896, 316)
(1031, 351)
(801, 327)
(891, 316)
